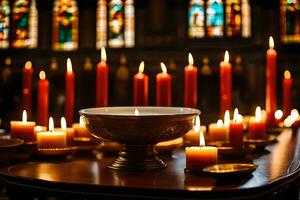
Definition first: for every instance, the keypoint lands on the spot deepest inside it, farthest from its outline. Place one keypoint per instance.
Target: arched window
(218, 18)
(290, 20)
(4, 24)
(65, 25)
(115, 23)
(24, 24)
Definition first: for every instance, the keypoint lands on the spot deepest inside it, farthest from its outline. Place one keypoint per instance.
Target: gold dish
(86, 143)
(227, 151)
(8, 149)
(230, 169)
(261, 143)
(52, 152)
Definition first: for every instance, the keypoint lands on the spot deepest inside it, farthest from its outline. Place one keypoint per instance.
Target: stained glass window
(101, 25)
(65, 25)
(129, 23)
(196, 19)
(24, 24)
(233, 18)
(4, 24)
(246, 19)
(116, 23)
(290, 20)
(215, 18)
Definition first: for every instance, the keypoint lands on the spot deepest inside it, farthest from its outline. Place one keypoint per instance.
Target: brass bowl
(138, 129)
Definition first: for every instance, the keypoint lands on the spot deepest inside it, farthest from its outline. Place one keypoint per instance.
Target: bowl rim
(192, 111)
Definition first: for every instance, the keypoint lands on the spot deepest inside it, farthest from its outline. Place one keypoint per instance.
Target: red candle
(163, 87)
(287, 84)
(140, 87)
(225, 84)
(43, 99)
(257, 126)
(190, 84)
(271, 82)
(236, 130)
(102, 81)
(27, 87)
(70, 93)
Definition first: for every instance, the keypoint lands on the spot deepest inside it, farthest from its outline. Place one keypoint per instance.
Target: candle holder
(55, 152)
(138, 129)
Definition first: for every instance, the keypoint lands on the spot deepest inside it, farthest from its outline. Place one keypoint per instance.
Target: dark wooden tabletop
(278, 167)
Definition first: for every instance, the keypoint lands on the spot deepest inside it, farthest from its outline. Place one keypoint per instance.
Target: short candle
(257, 125)
(192, 137)
(69, 131)
(80, 129)
(217, 131)
(236, 130)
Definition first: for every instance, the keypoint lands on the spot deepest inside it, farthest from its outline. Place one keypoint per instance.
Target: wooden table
(276, 176)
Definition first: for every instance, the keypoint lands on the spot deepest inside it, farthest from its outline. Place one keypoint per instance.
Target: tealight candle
(257, 126)
(51, 139)
(64, 128)
(23, 129)
(192, 137)
(80, 129)
(217, 131)
(200, 157)
(236, 130)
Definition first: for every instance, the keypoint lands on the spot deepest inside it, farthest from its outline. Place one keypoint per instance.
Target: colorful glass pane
(290, 20)
(233, 18)
(65, 25)
(33, 25)
(196, 19)
(4, 24)
(101, 24)
(215, 18)
(129, 23)
(246, 19)
(116, 24)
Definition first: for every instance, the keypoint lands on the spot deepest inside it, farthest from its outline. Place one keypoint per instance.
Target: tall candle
(140, 87)
(43, 99)
(27, 87)
(70, 93)
(23, 129)
(271, 82)
(102, 81)
(287, 85)
(200, 157)
(257, 125)
(236, 130)
(163, 87)
(51, 139)
(225, 84)
(190, 84)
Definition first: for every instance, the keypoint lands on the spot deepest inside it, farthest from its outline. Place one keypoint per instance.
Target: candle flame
(28, 65)
(236, 116)
(51, 124)
(24, 116)
(136, 112)
(219, 123)
(42, 75)
(69, 66)
(227, 118)
(294, 114)
(81, 122)
(191, 60)
(163, 67)
(271, 42)
(63, 123)
(103, 54)
(197, 125)
(202, 140)
(226, 57)
(287, 74)
(278, 114)
(141, 67)
(258, 114)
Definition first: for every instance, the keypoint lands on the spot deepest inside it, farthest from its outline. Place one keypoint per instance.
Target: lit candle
(102, 81)
(236, 130)
(140, 87)
(192, 137)
(217, 131)
(287, 84)
(70, 93)
(27, 87)
(190, 84)
(69, 131)
(23, 129)
(163, 87)
(80, 129)
(225, 84)
(43, 99)
(271, 82)
(257, 126)
(38, 129)
(200, 157)
(51, 139)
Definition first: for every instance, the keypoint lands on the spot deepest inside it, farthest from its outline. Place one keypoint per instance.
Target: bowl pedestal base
(137, 158)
